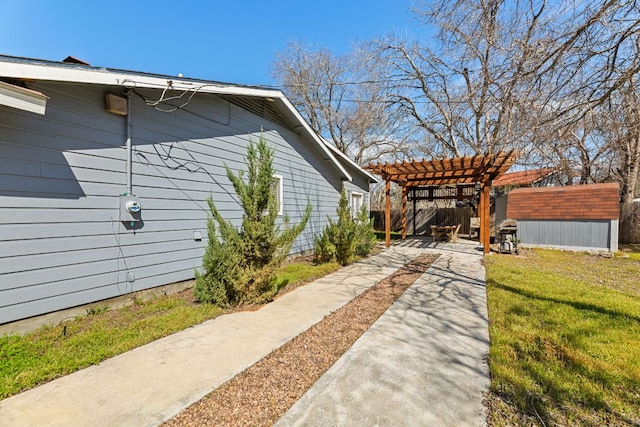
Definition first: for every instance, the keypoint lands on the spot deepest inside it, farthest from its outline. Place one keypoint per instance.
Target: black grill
(508, 226)
(508, 236)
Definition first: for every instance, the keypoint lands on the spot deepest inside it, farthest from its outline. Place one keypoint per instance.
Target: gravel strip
(262, 394)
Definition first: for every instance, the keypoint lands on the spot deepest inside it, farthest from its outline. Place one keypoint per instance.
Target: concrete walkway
(423, 363)
(151, 384)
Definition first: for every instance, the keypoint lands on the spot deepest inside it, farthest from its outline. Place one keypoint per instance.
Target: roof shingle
(527, 177)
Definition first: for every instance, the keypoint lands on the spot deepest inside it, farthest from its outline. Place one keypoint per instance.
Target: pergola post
(387, 212)
(404, 213)
(486, 216)
(481, 215)
(413, 195)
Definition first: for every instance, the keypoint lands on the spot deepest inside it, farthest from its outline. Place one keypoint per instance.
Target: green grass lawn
(565, 339)
(53, 351)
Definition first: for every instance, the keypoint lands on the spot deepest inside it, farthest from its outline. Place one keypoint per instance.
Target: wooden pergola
(457, 178)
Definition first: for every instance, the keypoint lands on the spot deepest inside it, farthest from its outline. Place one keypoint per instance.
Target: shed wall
(572, 234)
(583, 217)
(61, 241)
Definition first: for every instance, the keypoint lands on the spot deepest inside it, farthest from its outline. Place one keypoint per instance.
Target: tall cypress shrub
(338, 239)
(347, 237)
(366, 234)
(239, 264)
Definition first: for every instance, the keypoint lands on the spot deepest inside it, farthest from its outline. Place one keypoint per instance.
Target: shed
(104, 177)
(577, 217)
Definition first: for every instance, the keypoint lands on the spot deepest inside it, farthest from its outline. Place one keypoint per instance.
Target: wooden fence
(425, 218)
(629, 222)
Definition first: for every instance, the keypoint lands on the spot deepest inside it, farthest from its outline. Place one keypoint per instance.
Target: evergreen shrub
(239, 264)
(345, 238)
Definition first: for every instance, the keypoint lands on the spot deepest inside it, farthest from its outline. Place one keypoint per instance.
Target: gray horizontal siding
(26, 233)
(61, 241)
(38, 246)
(579, 235)
(64, 300)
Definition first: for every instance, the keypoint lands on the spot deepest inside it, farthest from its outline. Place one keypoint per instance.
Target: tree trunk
(629, 211)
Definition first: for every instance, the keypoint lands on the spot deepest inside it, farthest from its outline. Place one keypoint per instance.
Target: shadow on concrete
(424, 362)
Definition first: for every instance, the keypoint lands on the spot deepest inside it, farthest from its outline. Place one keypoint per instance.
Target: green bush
(223, 275)
(344, 233)
(367, 239)
(345, 238)
(239, 265)
(324, 247)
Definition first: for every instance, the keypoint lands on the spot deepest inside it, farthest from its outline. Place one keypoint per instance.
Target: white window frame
(280, 192)
(356, 211)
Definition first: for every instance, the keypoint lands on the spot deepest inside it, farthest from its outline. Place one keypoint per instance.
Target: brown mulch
(264, 392)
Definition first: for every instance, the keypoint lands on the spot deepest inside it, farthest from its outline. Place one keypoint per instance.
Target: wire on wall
(130, 87)
(182, 166)
(166, 157)
(124, 260)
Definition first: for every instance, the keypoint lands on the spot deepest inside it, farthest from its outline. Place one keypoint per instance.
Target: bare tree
(501, 74)
(622, 115)
(467, 92)
(626, 139)
(342, 101)
(579, 150)
(555, 79)
(604, 145)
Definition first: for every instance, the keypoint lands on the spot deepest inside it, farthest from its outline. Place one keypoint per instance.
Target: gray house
(104, 177)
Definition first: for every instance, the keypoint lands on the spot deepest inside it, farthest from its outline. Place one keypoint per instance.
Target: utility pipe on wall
(129, 170)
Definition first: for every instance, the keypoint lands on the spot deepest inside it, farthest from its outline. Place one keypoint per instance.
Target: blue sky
(229, 41)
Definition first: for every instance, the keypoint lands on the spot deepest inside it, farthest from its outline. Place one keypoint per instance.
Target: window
(356, 204)
(276, 188)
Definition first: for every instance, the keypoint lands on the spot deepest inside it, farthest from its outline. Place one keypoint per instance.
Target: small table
(445, 233)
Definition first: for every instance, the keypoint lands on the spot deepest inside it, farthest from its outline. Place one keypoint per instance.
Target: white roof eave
(314, 136)
(22, 98)
(102, 76)
(340, 154)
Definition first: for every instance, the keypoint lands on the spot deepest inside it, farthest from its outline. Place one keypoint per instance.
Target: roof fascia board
(22, 98)
(340, 154)
(103, 76)
(314, 136)
(118, 78)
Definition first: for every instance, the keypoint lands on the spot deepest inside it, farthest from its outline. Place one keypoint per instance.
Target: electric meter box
(130, 209)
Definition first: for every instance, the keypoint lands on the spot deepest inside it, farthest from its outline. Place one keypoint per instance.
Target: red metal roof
(575, 202)
(527, 177)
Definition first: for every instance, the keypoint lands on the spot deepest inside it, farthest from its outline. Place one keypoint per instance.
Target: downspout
(129, 170)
